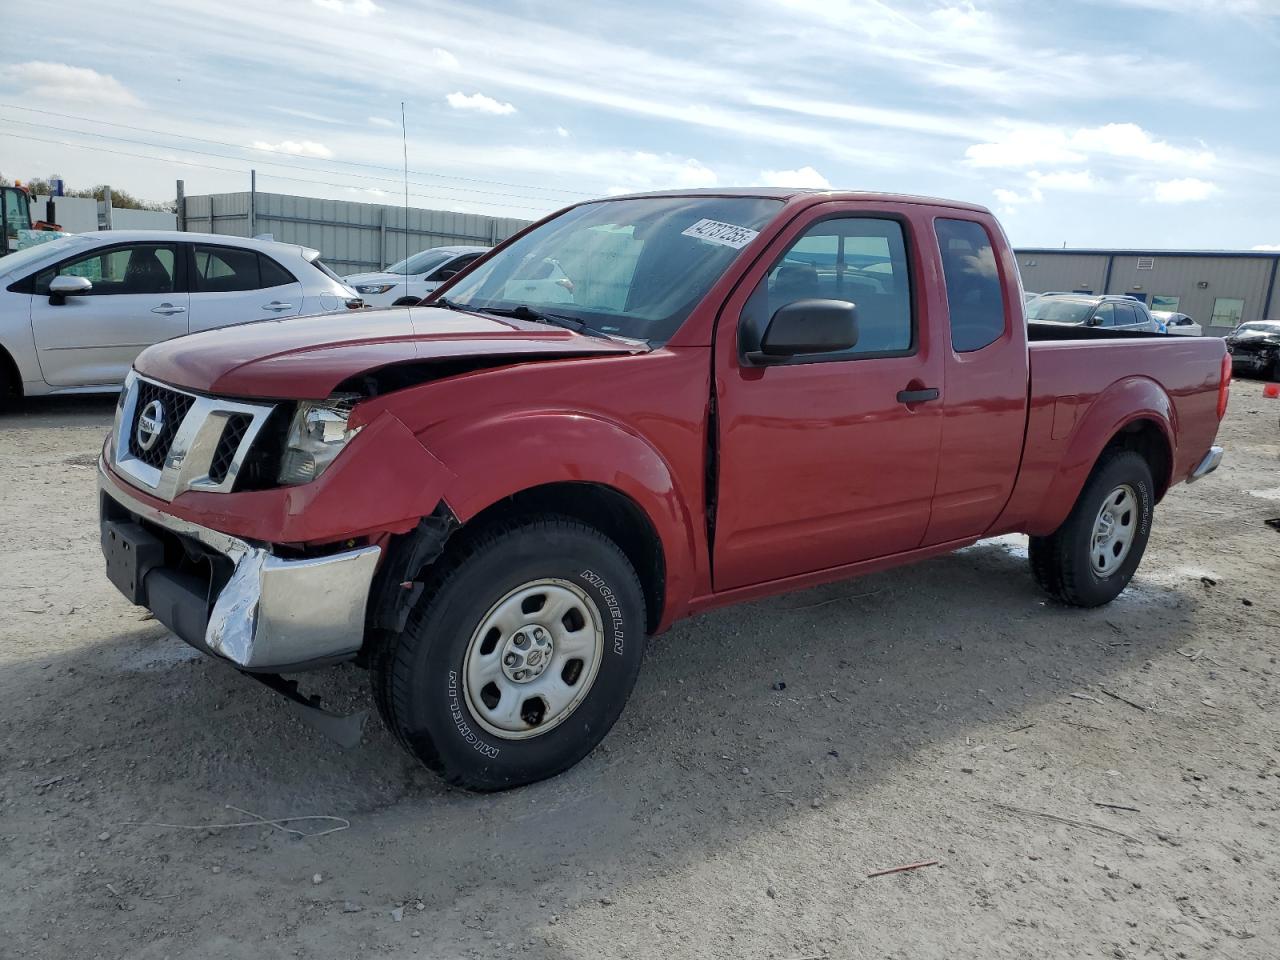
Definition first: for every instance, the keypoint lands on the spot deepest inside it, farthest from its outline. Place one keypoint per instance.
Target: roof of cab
(796, 193)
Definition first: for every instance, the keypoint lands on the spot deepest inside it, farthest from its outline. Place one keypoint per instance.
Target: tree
(120, 199)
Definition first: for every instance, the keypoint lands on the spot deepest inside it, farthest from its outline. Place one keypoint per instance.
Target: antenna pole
(404, 141)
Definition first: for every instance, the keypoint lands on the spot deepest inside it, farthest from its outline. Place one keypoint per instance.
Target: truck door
(985, 402)
(825, 460)
(138, 298)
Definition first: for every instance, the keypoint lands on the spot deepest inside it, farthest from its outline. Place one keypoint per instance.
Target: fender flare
(1121, 404)
(498, 457)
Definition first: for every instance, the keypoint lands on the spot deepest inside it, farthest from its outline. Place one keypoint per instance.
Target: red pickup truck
(634, 410)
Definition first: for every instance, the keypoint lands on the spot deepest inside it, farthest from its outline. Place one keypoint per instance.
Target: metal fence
(351, 237)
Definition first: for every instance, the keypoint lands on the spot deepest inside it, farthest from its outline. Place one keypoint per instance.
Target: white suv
(76, 311)
(413, 278)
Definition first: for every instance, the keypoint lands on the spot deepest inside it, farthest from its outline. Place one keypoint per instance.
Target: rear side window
(273, 275)
(974, 296)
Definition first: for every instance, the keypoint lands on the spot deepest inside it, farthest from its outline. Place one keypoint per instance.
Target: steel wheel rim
(541, 643)
(1114, 530)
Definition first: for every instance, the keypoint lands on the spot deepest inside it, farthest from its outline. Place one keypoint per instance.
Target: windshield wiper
(526, 312)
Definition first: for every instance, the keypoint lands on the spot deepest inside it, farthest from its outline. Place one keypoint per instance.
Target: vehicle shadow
(44, 413)
(744, 722)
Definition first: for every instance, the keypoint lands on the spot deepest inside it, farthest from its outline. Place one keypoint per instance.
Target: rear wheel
(1092, 557)
(519, 657)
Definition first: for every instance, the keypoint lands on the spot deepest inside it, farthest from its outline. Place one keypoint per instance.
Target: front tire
(1092, 557)
(519, 657)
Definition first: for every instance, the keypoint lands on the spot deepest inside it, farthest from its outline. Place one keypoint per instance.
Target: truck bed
(1086, 384)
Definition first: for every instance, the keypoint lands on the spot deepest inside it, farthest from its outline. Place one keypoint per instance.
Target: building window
(1227, 312)
(1162, 302)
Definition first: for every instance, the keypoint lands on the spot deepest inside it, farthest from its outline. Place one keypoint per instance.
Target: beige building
(1217, 289)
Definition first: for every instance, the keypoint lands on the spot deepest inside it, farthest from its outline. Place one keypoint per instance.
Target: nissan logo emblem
(150, 424)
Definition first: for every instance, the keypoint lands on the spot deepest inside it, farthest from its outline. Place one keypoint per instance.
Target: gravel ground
(941, 712)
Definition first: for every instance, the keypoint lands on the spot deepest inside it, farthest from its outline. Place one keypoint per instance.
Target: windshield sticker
(725, 234)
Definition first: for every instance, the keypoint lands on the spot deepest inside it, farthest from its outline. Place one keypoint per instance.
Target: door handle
(168, 309)
(918, 396)
(277, 305)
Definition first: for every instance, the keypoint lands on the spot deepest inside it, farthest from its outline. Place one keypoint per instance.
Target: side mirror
(62, 287)
(808, 326)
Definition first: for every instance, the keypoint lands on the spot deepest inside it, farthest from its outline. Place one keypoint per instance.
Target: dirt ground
(945, 711)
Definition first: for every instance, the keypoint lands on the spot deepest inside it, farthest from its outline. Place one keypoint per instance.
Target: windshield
(1255, 326)
(1050, 310)
(41, 251)
(629, 268)
(423, 262)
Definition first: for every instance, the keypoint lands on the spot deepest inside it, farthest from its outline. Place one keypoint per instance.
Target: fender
(1127, 400)
(500, 456)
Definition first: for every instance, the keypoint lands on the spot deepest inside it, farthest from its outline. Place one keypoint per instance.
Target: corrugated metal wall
(351, 237)
(1165, 274)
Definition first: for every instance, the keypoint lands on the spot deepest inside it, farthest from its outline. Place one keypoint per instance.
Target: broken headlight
(317, 434)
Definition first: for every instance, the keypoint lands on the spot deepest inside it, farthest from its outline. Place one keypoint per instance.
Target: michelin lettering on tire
(615, 609)
(457, 711)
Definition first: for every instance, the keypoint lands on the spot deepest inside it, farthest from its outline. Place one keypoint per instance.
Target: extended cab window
(632, 268)
(140, 269)
(860, 260)
(974, 296)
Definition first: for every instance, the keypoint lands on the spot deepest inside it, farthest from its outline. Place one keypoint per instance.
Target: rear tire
(1092, 557)
(519, 657)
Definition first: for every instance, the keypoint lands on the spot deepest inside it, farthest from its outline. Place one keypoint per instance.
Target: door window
(452, 268)
(1126, 315)
(1227, 312)
(1105, 315)
(859, 260)
(225, 270)
(974, 296)
(140, 269)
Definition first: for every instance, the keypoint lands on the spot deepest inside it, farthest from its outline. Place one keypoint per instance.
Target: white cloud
(1266, 247)
(299, 148)
(384, 122)
(480, 103)
(561, 132)
(359, 8)
(44, 80)
(1184, 190)
(1053, 146)
(1073, 181)
(803, 177)
(1007, 201)
(442, 58)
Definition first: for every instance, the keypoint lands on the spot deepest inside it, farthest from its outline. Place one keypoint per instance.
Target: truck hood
(306, 358)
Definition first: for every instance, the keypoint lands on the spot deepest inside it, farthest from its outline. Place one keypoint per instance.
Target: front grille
(173, 406)
(237, 426)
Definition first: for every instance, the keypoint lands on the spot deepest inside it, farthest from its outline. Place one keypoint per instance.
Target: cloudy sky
(1094, 122)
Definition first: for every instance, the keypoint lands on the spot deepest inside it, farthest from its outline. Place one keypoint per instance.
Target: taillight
(1224, 387)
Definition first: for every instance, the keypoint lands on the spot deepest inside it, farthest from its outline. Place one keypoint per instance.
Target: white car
(75, 312)
(414, 277)
(1178, 323)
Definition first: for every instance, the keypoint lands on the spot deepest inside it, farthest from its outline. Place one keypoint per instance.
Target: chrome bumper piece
(1207, 465)
(273, 613)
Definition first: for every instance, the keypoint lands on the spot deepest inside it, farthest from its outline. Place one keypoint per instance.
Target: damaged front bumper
(231, 598)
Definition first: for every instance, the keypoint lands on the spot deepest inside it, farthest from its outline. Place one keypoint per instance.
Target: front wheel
(1092, 557)
(519, 657)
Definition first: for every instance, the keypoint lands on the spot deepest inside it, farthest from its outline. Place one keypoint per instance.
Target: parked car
(413, 278)
(75, 312)
(1110, 312)
(489, 500)
(1255, 348)
(1178, 324)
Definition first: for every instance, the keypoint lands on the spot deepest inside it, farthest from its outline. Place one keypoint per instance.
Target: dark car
(1088, 310)
(1255, 348)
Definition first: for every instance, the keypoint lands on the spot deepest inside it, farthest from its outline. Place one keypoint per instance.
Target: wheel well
(10, 378)
(610, 511)
(1147, 439)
